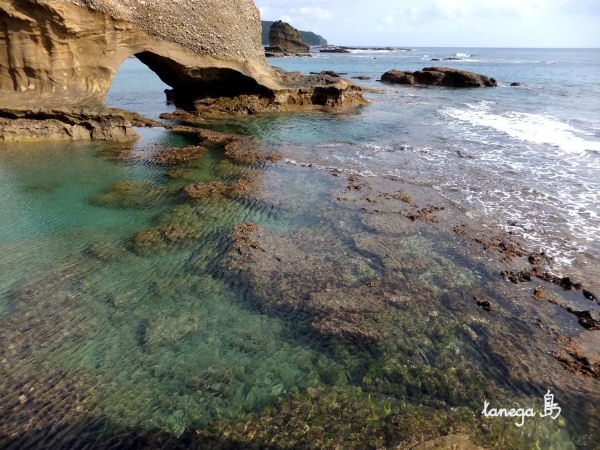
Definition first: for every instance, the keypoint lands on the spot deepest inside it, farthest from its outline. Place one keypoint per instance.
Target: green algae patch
(132, 194)
(164, 330)
(164, 237)
(108, 252)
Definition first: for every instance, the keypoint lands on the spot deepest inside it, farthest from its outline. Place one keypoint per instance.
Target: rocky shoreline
(386, 268)
(384, 259)
(413, 313)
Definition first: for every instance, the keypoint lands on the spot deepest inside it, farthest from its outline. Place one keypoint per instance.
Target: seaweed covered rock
(238, 148)
(240, 188)
(439, 76)
(334, 289)
(164, 237)
(108, 252)
(177, 156)
(166, 330)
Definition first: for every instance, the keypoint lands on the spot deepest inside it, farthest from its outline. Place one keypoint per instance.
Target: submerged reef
(274, 306)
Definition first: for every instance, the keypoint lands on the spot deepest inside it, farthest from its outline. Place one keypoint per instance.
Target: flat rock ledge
(439, 76)
(79, 125)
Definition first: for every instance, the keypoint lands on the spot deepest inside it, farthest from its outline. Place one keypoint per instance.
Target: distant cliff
(308, 37)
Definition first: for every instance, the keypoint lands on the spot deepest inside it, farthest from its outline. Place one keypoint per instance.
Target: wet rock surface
(439, 76)
(581, 354)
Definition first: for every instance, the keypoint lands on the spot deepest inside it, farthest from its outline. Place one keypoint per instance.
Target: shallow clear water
(170, 339)
(537, 146)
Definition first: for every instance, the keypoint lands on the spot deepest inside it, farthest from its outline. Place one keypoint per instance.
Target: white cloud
(443, 22)
(317, 13)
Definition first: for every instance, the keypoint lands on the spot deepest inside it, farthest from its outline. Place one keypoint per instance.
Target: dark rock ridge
(284, 38)
(439, 76)
(58, 59)
(334, 50)
(308, 37)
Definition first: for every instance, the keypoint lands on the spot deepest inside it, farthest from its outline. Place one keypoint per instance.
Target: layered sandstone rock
(66, 52)
(58, 58)
(438, 76)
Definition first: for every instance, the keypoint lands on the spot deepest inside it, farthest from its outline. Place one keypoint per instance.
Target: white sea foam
(463, 55)
(361, 50)
(534, 128)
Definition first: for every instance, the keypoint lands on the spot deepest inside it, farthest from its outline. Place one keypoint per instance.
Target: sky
(444, 23)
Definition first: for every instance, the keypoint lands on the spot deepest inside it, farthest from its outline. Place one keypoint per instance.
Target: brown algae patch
(242, 187)
(237, 148)
(178, 156)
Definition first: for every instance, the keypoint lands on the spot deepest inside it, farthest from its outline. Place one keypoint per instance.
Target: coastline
(282, 257)
(398, 257)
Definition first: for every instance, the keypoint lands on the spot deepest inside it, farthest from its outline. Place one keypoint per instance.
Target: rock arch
(58, 59)
(65, 53)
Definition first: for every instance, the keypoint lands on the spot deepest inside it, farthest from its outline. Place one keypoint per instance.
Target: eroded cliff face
(58, 59)
(64, 53)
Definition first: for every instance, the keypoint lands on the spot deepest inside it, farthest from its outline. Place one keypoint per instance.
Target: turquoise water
(118, 340)
(168, 339)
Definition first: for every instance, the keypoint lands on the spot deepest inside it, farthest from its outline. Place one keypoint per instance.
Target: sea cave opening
(136, 88)
(157, 75)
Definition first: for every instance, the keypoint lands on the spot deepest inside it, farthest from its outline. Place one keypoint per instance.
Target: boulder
(439, 76)
(286, 39)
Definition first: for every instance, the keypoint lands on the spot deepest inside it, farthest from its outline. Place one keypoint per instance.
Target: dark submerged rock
(334, 50)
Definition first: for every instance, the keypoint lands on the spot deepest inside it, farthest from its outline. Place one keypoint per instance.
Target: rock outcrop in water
(308, 37)
(58, 59)
(284, 38)
(439, 76)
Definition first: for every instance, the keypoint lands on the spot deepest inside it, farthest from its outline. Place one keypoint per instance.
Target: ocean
(525, 158)
(169, 341)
